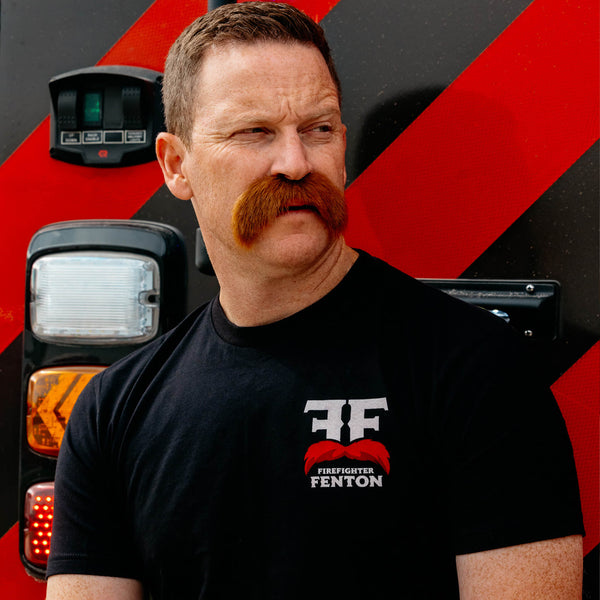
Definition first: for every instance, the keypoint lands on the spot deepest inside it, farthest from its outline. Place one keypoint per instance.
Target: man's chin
(291, 249)
(290, 224)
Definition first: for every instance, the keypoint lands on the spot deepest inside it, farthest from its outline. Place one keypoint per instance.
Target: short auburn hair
(230, 23)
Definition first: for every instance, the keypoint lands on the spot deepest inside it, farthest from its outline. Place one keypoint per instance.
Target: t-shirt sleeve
(511, 471)
(90, 534)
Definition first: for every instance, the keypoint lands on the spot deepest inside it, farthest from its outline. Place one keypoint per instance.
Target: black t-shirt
(349, 451)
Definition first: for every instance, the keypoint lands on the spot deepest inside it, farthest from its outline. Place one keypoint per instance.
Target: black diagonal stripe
(558, 238)
(10, 418)
(395, 57)
(591, 575)
(41, 39)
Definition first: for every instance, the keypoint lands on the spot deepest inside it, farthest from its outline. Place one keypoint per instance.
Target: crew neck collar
(296, 326)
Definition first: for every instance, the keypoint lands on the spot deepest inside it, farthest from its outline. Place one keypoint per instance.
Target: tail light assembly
(95, 291)
(38, 516)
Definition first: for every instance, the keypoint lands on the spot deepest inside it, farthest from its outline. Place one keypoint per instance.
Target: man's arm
(546, 570)
(92, 587)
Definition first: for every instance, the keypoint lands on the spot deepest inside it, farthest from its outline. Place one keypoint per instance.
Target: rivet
(530, 288)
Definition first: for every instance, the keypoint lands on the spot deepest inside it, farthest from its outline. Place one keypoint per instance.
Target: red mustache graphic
(361, 450)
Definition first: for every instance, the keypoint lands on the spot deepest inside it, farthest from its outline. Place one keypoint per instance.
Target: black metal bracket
(532, 307)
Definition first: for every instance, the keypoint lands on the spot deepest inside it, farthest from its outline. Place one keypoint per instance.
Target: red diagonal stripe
(147, 42)
(578, 394)
(315, 9)
(14, 582)
(489, 146)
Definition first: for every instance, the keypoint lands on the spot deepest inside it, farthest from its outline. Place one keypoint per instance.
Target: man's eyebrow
(234, 119)
(326, 112)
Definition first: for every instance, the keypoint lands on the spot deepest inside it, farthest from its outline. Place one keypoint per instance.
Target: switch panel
(105, 116)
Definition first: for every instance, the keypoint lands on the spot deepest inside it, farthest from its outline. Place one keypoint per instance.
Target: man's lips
(298, 208)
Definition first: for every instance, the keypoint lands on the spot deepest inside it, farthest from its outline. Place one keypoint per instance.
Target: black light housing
(95, 291)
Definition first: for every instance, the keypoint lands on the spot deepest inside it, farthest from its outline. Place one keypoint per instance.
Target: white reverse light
(94, 298)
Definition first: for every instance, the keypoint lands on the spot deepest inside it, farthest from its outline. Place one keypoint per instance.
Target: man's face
(263, 109)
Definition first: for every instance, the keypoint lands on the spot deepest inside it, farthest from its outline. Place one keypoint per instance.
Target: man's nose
(290, 158)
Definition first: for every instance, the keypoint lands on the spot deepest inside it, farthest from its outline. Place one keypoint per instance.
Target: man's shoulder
(147, 361)
(388, 284)
(416, 310)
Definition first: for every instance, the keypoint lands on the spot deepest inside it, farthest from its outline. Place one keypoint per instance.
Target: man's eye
(251, 131)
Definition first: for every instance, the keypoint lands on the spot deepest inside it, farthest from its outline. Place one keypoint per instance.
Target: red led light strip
(39, 513)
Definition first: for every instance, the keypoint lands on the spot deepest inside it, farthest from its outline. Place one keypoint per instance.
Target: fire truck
(472, 163)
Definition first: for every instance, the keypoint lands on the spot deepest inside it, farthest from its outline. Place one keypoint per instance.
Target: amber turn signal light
(51, 395)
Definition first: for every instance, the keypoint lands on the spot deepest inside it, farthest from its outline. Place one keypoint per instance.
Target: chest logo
(346, 421)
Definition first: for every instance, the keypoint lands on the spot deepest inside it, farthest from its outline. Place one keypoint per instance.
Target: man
(327, 427)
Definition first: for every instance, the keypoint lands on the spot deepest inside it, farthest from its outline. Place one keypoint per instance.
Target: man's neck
(257, 297)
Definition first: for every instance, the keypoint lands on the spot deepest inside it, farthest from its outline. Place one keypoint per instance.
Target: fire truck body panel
(472, 154)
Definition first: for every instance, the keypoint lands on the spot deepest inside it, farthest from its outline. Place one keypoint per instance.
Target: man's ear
(345, 173)
(171, 152)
